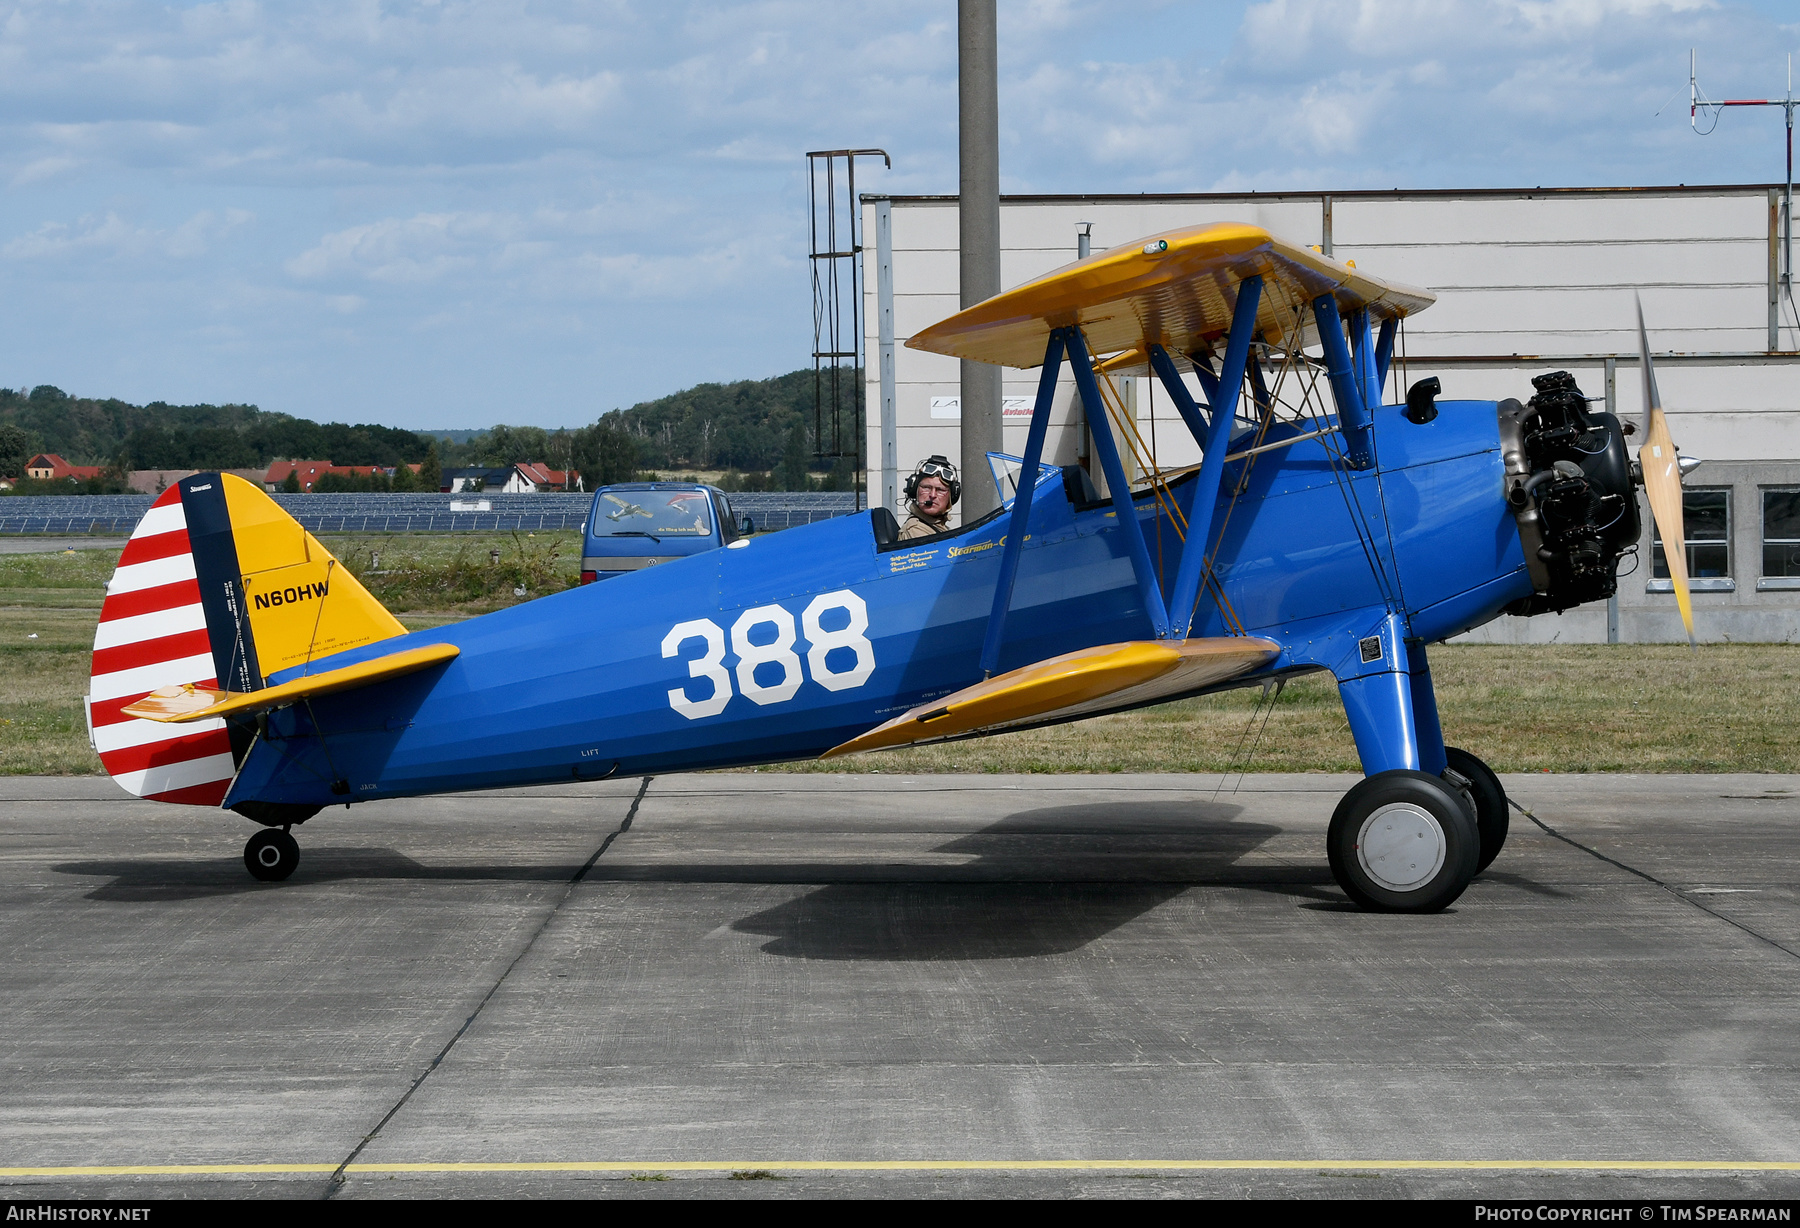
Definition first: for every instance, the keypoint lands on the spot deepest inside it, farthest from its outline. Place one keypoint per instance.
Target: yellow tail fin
(302, 603)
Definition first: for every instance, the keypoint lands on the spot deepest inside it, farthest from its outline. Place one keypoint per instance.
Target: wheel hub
(1401, 846)
(269, 855)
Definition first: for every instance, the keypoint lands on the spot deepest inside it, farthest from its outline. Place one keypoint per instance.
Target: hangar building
(1528, 281)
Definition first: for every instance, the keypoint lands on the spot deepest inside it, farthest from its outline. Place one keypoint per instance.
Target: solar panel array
(405, 513)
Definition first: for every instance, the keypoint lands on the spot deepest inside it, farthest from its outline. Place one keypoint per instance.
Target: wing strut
(1021, 509)
(1368, 383)
(1209, 383)
(1346, 389)
(1165, 369)
(1186, 593)
(1384, 353)
(1120, 488)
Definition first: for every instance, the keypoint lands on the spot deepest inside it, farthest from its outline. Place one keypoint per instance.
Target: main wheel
(1403, 842)
(1489, 799)
(271, 855)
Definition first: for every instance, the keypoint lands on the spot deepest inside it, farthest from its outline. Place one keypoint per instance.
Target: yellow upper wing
(1177, 289)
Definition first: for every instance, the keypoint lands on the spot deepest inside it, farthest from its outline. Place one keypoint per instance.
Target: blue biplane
(237, 664)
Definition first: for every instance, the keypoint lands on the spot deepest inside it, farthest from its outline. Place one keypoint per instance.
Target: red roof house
(311, 471)
(48, 465)
(540, 474)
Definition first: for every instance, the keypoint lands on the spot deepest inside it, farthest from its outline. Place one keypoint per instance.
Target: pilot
(930, 491)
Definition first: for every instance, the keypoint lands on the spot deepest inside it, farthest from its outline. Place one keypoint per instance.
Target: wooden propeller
(1660, 462)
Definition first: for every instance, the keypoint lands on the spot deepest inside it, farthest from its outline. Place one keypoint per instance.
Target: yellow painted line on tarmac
(167, 1170)
(624, 1166)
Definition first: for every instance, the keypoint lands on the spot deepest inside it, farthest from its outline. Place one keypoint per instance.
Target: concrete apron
(1122, 985)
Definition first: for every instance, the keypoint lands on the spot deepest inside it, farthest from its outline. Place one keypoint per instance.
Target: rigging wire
(1115, 408)
(1156, 469)
(1358, 518)
(1209, 578)
(1240, 759)
(1268, 712)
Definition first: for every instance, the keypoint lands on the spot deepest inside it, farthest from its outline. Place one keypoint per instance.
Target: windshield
(651, 513)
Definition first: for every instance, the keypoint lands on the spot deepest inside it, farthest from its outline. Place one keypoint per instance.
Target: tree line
(761, 433)
(758, 432)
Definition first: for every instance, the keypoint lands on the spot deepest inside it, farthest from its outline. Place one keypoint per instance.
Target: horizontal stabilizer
(180, 704)
(1085, 683)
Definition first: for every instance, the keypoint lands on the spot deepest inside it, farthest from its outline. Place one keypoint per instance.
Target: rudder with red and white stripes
(152, 634)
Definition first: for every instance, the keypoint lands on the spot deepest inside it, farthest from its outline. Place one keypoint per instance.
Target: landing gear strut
(1403, 841)
(271, 855)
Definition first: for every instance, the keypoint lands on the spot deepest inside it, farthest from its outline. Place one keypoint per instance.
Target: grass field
(1565, 708)
(1561, 708)
(457, 571)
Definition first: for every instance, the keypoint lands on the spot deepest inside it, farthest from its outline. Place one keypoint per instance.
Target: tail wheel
(271, 855)
(1489, 799)
(1403, 842)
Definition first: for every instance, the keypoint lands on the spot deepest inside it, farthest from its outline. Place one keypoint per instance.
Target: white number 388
(768, 669)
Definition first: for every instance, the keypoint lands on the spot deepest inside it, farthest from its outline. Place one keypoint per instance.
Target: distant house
(486, 478)
(310, 471)
(155, 481)
(541, 475)
(526, 477)
(48, 466)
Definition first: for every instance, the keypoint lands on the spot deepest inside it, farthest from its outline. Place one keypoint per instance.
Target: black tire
(1372, 850)
(1485, 790)
(271, 855)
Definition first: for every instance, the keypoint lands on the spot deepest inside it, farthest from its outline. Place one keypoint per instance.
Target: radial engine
(1572, 488)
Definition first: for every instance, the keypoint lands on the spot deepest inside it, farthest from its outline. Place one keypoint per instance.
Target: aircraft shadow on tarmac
(1041, 882)
(149, 881)
(1037, 882)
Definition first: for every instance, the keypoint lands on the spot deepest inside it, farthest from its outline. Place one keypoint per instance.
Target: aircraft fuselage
(789, 644)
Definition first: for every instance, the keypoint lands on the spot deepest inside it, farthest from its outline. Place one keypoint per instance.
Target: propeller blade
(1660, 464)
(1652, 399)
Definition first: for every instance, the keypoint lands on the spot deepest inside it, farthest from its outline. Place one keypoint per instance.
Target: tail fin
(218, 587)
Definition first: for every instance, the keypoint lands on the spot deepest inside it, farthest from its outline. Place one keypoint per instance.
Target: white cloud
(499, 172)
(418, 249)
(44, 168)
(585, 254)
(109, 233)
(112, 236)
(1420, 93)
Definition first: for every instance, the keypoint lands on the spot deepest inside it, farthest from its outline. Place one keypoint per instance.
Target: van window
(728, 529)
(652, 513)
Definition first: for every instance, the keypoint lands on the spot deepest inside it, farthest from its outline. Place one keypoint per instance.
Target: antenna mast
(1698, 102)
(836, 258)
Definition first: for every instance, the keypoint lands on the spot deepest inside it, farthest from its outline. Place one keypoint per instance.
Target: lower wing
(1085, 683)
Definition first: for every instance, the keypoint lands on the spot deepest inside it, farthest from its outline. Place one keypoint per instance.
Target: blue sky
(447, 214)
